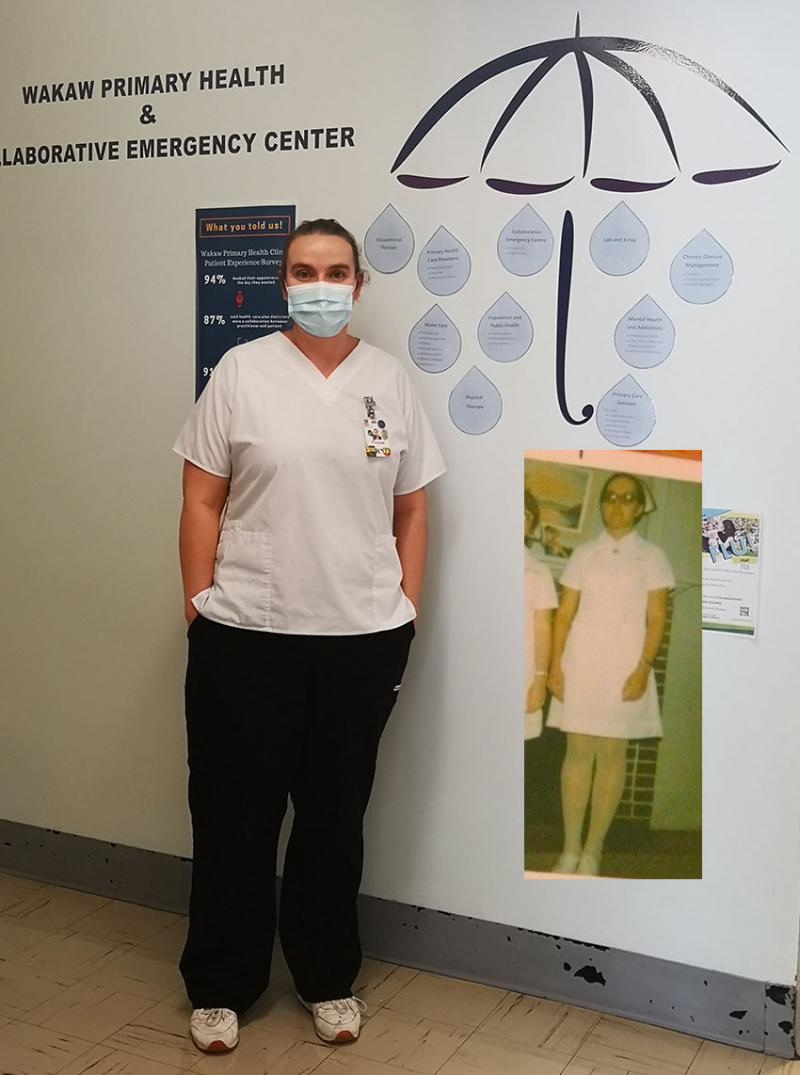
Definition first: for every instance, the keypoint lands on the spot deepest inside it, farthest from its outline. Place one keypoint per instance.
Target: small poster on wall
(239, 253)
(731, 557)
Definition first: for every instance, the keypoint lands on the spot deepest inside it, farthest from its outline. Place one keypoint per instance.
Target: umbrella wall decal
(546, 55)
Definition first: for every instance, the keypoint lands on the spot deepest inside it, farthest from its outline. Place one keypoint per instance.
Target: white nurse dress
(605, 640)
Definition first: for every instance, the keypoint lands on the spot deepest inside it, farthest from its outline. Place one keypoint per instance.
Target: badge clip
(376, 435)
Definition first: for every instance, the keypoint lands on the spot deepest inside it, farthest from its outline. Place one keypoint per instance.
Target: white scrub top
(606, 638)
(306, 546)
(540, 593)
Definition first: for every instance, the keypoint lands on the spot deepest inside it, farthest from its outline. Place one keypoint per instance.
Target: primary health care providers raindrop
(313, 448)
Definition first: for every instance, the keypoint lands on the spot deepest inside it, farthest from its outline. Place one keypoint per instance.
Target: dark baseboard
(709, 1004)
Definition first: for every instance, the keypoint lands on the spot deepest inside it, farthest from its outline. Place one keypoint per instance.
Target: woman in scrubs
(302, 543)
(606, 636)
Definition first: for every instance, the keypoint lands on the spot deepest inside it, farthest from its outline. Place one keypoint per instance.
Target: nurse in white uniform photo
(302, 541)
(606, 636)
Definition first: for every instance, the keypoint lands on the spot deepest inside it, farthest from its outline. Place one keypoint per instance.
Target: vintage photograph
(612, 670)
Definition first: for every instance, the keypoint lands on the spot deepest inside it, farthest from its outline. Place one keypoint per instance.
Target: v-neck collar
(327, 388)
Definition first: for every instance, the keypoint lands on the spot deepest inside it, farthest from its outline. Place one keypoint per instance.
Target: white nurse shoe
(336, 1020)
(214, 1030)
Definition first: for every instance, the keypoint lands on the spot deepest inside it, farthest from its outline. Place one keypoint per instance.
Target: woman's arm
(411, 532)
(656, 620)
(542, 635)
(564, 616)
(204, 497)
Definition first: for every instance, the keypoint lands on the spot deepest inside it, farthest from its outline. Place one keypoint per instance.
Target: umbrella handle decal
(562, 317)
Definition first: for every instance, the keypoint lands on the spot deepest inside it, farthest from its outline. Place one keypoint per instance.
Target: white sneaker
(214, 1030)
(336, 1020)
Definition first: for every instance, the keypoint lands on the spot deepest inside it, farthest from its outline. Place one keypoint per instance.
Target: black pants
(268, 716)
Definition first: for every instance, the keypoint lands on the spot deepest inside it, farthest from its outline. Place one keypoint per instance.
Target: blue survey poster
(239, 253)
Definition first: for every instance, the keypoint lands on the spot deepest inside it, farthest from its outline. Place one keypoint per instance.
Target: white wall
(96, 274)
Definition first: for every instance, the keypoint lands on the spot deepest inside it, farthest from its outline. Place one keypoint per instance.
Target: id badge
(376, 435)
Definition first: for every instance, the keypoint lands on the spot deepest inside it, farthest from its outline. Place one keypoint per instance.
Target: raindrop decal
(434, 343)
(444, 264)
(702, 271)
(475, 405)
(645, 336)
(619, 243)
(389, 242)
(505, 331)
(526, 243)
(626, 415)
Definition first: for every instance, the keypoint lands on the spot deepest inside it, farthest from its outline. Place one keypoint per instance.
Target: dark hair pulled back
(321, 226)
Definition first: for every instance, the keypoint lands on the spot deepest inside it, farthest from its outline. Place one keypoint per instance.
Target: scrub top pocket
(242, 587)
(386, 579)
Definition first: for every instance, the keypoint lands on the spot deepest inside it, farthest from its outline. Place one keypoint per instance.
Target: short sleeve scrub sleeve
(307, 543)
(606, 638)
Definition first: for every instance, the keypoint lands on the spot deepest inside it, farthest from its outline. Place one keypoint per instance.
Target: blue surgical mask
(320, 309)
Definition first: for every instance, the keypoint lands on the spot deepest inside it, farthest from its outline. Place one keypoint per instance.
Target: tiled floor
(89, 986)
